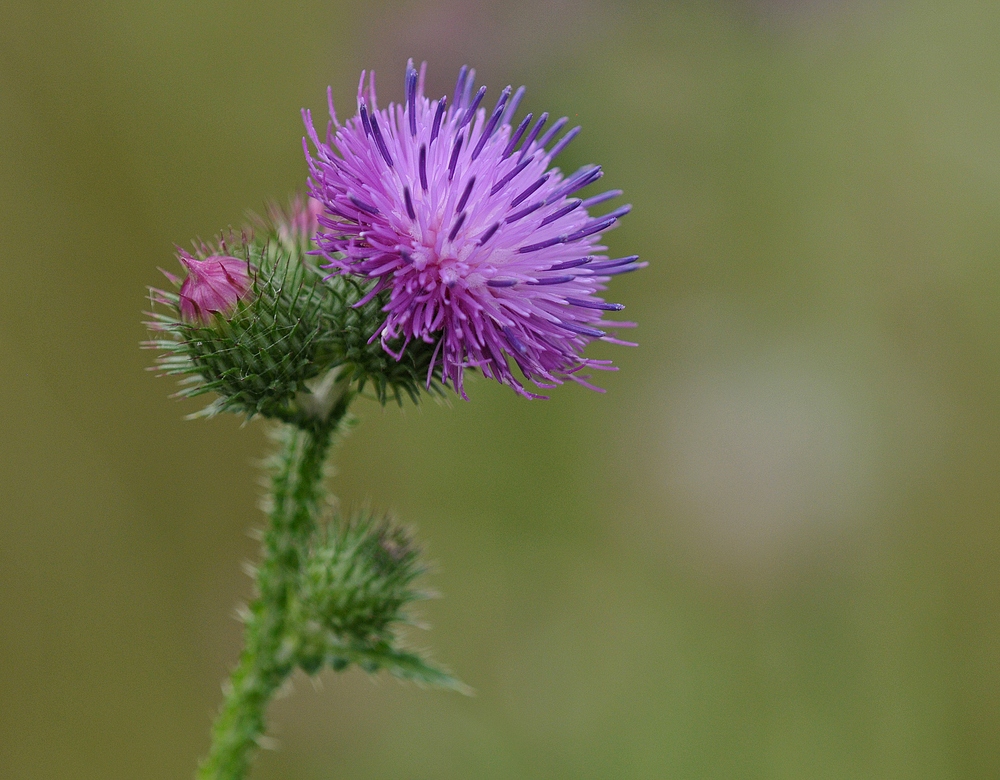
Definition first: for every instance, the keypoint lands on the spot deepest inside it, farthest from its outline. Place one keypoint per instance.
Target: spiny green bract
(357, 578)
(352, 594)
(294, 326)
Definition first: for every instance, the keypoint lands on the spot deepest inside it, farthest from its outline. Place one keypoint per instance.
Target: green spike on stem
(329, 591)
(295, 499)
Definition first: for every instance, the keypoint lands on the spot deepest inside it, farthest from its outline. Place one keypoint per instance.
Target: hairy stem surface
(296, 499)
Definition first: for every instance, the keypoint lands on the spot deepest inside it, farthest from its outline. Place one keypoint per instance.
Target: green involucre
(293, 327)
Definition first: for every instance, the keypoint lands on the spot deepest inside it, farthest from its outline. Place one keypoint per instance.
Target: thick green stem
(297, 497)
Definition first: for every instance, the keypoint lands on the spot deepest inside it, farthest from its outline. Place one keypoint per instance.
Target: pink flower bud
(299, 221)
(212, 286)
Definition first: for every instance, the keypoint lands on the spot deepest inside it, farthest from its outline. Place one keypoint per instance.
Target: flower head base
(483, 250)
(213, 286)
(281, 337)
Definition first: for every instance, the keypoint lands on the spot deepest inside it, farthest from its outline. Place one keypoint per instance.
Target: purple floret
(484, 250)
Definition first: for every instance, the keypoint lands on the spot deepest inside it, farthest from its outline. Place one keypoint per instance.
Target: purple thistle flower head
(213, 286)
(483, 247)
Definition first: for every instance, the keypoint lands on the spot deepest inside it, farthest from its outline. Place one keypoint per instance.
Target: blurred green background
(769, 551)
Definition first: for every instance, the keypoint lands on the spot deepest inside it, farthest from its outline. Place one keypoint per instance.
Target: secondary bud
(356, 585)
(213, 286)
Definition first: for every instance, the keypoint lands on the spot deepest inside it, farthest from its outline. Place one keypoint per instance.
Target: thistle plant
(436, 238)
